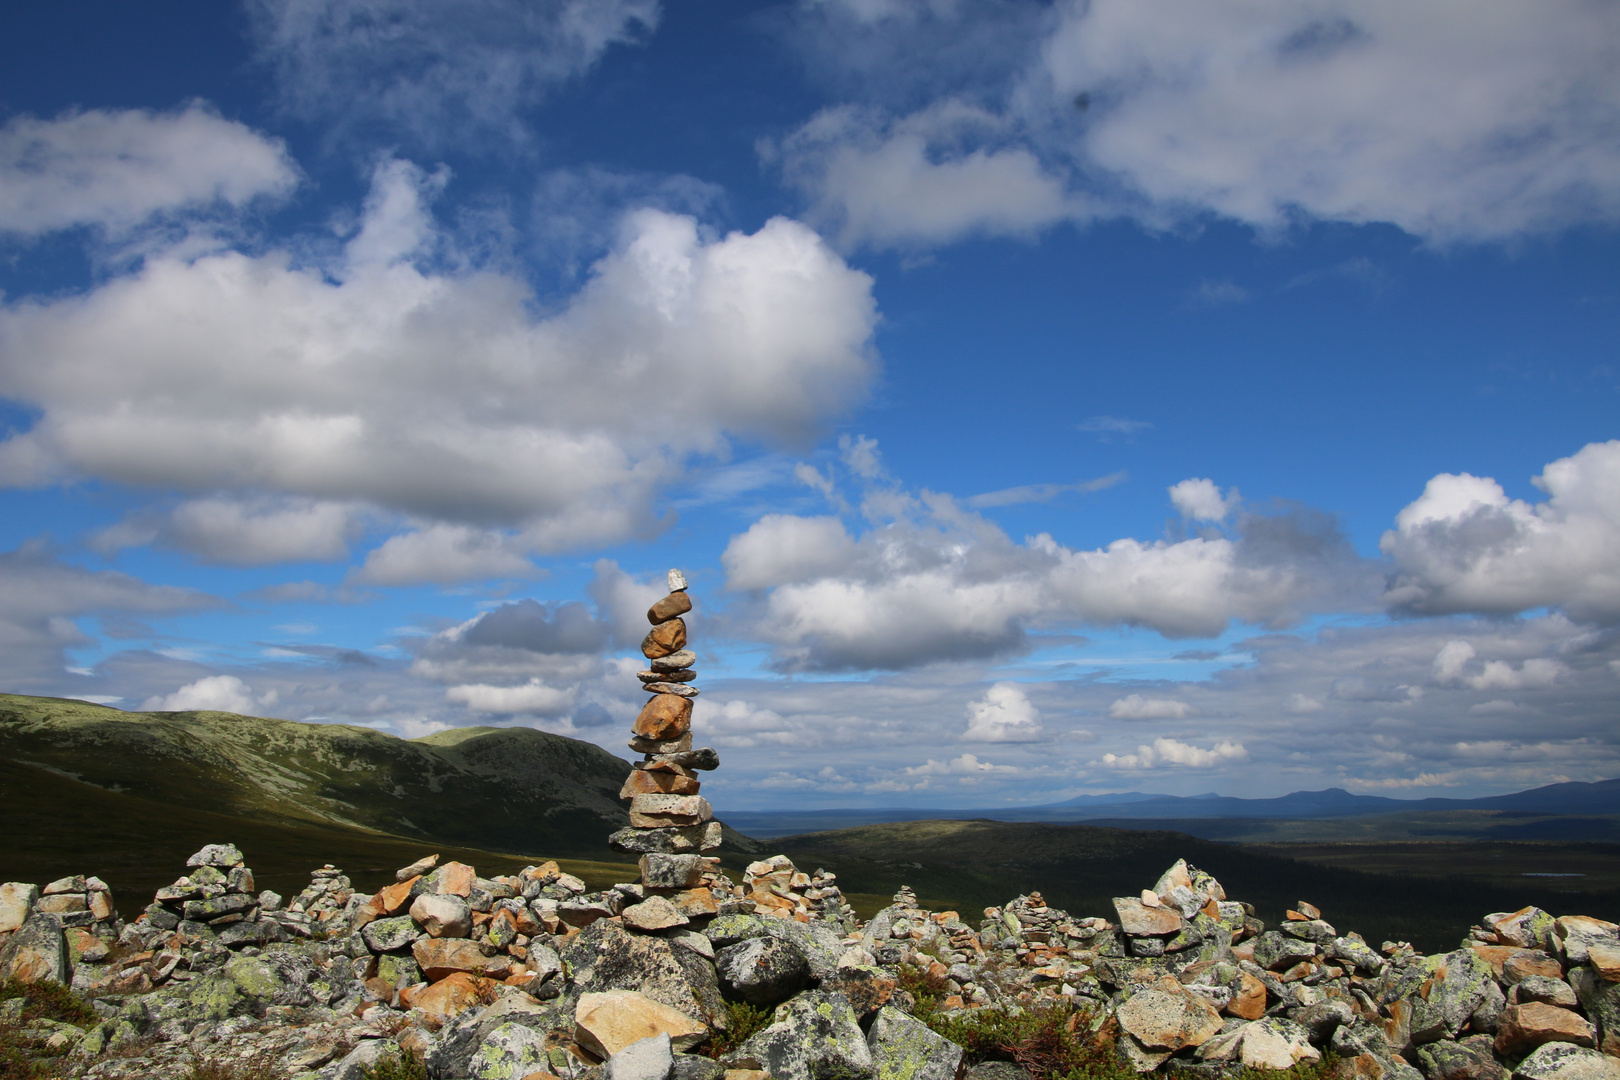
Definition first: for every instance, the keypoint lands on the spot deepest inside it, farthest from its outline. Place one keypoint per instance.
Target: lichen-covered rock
(904, 1048)
(388, 935)
(605, 957)
(1470, 1059)
(1270, 1043)
(647, 1059)
(36, 952)
(1565, 1061)
(1276, 951)
(812, 1037)
(1166, 1016)
(1600, 999)
(510, 1052)
(1461, 983)
(764, 971)
(358, 1063)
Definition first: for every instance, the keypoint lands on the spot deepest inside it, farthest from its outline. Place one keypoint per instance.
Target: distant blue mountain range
(1601, 797)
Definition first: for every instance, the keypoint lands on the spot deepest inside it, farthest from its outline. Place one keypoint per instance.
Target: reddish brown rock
(676, 603)
(1605, 960)
(694, 903)
(101, 906)
(664, 717)
(1249, 1000)
(456, 879)
(644, 782)
(391, 899)
(1494, 955)
(450, 996)
(665, 639)
(1527, 962)
(1522, 1028)
(440, 958)
(867, 987)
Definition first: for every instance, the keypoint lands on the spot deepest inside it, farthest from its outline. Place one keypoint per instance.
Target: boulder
(653, 913)
(1139, 920)
(1527, 962)
(1275, 951)
(675, 841)
(225, 855)
(1470, 1059)
(1578, 933)
(1271, 1043)
(37, 952)
(1565, 1061)
(606, 1023)
(1541, 988)
(451, 996)
(442, 915)
(1166, 1016)
(17, 899)
(763, 971)
(387, 935)
(867, 986)
(360, 1062)
(812, 1037)
(659, 871)
(1524, 1027)
(651, 1058)
(439, 957)
(1528, 928)
(904, 1048)
(1460, 985)
(606, 957)
(1601, 1001)
(509, 1051)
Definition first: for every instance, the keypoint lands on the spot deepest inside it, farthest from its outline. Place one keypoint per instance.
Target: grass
(259, 1068)
(1061, 1042)
(22, 1056)
(407, 1066)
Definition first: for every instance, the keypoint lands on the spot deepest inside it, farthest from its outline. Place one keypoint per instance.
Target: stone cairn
(670, 823)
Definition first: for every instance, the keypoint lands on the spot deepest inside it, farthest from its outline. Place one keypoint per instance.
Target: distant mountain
(1601, 797)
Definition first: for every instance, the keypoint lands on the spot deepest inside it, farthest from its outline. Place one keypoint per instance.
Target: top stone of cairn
(677, 581)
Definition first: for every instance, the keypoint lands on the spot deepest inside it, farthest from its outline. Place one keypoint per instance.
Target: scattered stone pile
(535, 976)
(667, 815)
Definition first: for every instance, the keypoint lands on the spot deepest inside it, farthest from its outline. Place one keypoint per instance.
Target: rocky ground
(691, 976)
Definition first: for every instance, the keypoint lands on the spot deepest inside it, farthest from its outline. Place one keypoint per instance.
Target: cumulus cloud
(967, 765)
(533, 697)
(1270, 110)
(934, 582)
(438, 397)
(436, 71)
(214, 693)
(1137, 707)
(1004, 714)
(243, 532)
(1201, 500)
(1464, 546)
(115, 169)
(782, 548)
(1166, 751)
(1267, 113)
(933, 177)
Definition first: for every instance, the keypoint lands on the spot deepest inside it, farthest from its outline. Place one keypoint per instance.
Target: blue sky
(1044, 399)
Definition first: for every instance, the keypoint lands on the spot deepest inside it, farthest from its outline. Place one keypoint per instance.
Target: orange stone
(440, 958)
(391, 898)
(664, 717)
(1495, 955)
(646, 782)
(452, 995)
(456, 879)
(664, 639)
(695, 902)
(1249, 1003)
(676, 603)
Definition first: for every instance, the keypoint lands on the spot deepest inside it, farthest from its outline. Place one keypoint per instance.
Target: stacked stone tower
(670, 823)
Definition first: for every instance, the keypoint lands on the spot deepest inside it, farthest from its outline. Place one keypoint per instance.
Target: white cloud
(439, 397)
(533, 697)
(1173, 752)
(115, 169)
(444, 554)
(1201, 500)
(781, 548)
(213, 693)
(966, 765)
(1004, 714)
(931, 582)
(926, 179)
(1465, 546)
(1137, 707)
(243, 532)
(1039, 493)
(1267, 110)
(436, 71)
(1450, 661)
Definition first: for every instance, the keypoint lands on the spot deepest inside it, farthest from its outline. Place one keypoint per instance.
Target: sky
(1043, 399)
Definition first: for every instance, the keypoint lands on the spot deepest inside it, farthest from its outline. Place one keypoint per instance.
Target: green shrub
(407, 1066)
(743, 1022)
(49, 1001)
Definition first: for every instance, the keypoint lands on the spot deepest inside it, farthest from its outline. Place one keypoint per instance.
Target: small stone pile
(82, 907)
(777, 888)
(216, 900)
(667, 815)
